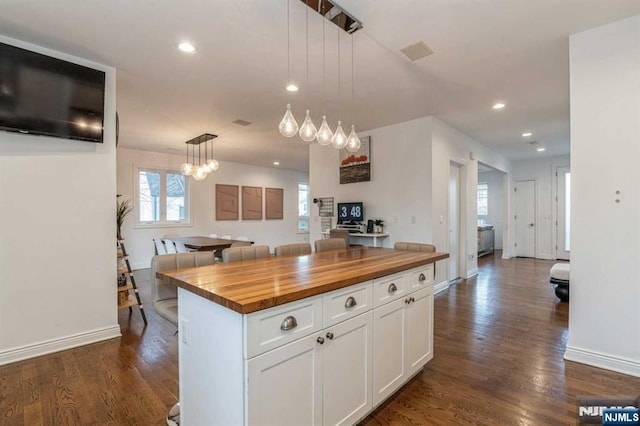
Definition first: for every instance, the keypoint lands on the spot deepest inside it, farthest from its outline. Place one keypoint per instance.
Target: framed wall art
(356, 166)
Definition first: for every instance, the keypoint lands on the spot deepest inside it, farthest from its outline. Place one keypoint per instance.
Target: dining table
(207, 243)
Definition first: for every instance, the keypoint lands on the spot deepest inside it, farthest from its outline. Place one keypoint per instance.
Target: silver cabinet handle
(289, 323)
(412, 299)
(350, 302)
(407, 301)
(320, 340)
(421, 277)
(392, 288)
(330, 335)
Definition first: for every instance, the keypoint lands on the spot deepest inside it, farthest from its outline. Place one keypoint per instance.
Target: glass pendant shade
(339, 139)
(353, 141)
(324, 133)
(186, 169)
(200, 173)
(212, 165)
(288, 126)
(308, 131)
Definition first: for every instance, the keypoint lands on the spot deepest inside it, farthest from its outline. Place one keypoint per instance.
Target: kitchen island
(315, 339)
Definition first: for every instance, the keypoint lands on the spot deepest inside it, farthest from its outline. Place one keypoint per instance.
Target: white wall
(450, 145)
(57, 227)
(543, 172)
(493, 179)
(138, 241)
(400, 181)
(604, 319)
(409, 179)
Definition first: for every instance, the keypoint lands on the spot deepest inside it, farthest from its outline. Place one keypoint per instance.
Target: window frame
(163, 222)
(308, 217)
(486, 184)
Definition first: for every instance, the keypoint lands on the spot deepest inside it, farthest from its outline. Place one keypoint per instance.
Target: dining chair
(213, 235)
(170, 246)
(235, 254)
(401, 245)
(180, 247)
(240, 244)
(159, 247)
(296, 249)
(340, 233)
(330, 244)
(226, 237)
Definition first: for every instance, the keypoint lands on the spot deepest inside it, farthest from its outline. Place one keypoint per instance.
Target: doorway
(454, 222)
(563, 206)
(491, 194)
(524, 218)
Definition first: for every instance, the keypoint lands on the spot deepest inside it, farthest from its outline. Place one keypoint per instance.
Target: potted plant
(123, 208)
(377, 226)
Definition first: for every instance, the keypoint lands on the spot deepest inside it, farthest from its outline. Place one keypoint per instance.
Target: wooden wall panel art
(251, 203)
(274, 203)
(226, 202)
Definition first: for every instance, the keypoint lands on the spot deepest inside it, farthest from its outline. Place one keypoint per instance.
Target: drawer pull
(289, 323)
(320, 340)
(392, 288)
(330, 335)
(421, 277)
(350, 302)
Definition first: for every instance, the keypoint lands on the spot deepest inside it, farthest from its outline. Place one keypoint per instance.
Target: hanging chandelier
(200, 170)
(308, 132)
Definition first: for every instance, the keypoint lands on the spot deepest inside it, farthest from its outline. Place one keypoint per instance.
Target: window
(567, 211)
(303, 207)
(162, 198)
(483, 202)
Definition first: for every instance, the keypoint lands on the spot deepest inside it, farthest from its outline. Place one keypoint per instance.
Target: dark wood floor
(499, 341)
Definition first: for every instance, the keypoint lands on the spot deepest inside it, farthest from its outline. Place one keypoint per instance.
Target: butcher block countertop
(253, 285)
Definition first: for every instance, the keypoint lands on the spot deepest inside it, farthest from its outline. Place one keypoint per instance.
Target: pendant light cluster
(200, 170)
(308, 132)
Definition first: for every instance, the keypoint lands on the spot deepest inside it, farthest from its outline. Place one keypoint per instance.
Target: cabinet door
(285, 385)
(419, 329)
(389, 345)
(346, 361)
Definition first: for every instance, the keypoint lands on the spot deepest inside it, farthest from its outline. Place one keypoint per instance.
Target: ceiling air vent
(417, 51)
(241, 122)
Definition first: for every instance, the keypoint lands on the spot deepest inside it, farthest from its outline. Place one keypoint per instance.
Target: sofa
(165, 296)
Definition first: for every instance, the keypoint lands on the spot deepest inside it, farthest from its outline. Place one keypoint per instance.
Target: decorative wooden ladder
(126, 282)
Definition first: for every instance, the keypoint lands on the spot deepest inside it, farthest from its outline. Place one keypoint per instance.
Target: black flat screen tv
(350, 212)
(42, 95)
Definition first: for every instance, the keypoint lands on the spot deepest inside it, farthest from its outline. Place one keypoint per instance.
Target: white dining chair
(180, 247)
(170, 246)
(213, 235)
(226, 237)
(243, 238)
(159, 247)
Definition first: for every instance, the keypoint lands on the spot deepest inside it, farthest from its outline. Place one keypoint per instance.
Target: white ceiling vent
(533, 143)
(240, 122)
(417, 51)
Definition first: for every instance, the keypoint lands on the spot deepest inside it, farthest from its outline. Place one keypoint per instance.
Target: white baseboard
(472, 273)
(440, 287)
(606, 361)
(506, 256)
(56, 345)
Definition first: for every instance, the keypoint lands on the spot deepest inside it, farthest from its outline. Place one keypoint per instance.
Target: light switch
(184, 331)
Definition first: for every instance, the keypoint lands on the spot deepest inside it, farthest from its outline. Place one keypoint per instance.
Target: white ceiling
(514, 51)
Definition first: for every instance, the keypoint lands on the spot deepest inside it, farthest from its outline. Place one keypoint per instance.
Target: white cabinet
(324, 378)
(402, 341)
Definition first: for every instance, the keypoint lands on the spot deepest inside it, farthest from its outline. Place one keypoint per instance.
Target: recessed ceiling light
(499, 105)
(292, 87)
(540, 149)
(187, 47)
(276, 163)
(527, 134)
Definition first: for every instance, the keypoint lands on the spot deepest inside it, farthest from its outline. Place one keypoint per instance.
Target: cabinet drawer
(419, 277)
(277, 326)
(346, 303)
(387, 289)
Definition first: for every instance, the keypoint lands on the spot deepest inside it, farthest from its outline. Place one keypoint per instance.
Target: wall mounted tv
(350, 212)
(47, 96)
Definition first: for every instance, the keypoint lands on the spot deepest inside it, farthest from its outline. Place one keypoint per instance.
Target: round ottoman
(559, 276)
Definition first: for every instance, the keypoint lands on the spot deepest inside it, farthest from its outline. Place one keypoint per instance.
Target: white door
(419, 330)
(389, 348)
(346, 376)
(286, 385)
(454, 221)
(563, 223)
(525, 218)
